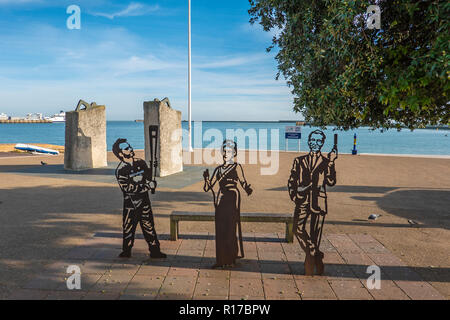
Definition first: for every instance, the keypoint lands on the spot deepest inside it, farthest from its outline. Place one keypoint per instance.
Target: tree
(343, 73)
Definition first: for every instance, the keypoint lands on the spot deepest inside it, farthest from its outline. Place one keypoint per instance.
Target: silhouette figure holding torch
(135, 179)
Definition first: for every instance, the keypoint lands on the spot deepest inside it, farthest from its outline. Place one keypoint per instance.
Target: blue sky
(127, 52)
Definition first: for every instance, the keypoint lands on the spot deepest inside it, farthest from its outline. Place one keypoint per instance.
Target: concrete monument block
(169, 149)
(85, 146)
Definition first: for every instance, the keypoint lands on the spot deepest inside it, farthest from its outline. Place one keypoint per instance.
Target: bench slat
(245, 216)
(177, 216)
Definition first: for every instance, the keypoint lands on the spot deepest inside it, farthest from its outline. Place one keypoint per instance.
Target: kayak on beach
(36, 149)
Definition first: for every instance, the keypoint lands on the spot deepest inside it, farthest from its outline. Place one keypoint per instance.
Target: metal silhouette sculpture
(135, 179)
(310, 176)
(87, 106)
(227, 203)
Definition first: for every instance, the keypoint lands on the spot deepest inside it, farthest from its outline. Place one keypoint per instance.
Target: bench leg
(289, 232)
(173, 230)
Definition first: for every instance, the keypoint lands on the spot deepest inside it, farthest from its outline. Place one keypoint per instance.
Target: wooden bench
(177, 216)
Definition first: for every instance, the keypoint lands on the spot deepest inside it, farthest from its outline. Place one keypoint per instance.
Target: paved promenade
(272, 269)
(50, 218)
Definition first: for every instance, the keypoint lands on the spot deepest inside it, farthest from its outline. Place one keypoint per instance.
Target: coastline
(431, 156)
(9, 149)
(424, 142)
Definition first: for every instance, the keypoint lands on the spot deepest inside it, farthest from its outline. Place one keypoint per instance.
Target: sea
(250, 136)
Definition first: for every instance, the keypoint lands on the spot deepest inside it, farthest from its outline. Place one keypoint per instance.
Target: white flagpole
(189, 82)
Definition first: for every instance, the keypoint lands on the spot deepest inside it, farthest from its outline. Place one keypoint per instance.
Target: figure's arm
(293, 181)
(128, 185)
(243, 181)
(209, 182)
(294, 184)
(148, 171)
(330, 178)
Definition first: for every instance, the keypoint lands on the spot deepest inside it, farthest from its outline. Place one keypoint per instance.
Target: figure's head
(316, 139)
(229, 150)
(122, 149)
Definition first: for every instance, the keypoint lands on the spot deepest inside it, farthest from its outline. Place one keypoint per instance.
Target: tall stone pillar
(169, 152)
(85, 146)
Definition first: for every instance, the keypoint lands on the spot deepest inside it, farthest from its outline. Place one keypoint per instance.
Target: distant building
(34, 116)
(3, 116)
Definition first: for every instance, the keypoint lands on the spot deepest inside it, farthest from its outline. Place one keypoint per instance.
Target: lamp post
(189, 82)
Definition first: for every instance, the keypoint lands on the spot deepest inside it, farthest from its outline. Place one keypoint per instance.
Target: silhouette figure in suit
(310, 175)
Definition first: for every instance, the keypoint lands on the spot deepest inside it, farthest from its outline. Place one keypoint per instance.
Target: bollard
(169, 150)
(354, 151)
(85, 146)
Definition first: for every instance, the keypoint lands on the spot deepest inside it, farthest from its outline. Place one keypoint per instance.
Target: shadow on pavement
(428, 207)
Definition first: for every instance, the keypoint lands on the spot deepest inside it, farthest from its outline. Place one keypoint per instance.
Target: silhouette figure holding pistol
(310, 175)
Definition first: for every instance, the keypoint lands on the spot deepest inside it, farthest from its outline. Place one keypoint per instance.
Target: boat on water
(35, 149)
(58, 117)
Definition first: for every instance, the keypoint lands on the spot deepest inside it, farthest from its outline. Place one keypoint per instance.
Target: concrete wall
(169, 152)
(85, 146)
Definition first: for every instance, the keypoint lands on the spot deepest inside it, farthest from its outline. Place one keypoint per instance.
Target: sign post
(293, 132)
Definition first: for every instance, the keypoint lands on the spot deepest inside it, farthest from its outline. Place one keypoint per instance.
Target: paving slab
(65, 295)
(137, 296)
(246, 287)
(419, 290)
(145, 286)
(209, 297)
(112, 282)
(312, 288)
(219, 273)
(153, 270)
(94, 295)
(388, 290)
(178, 285)
(212, 287)
(275, 289)
(28, 294)
(276, 271)
(350, 290)
(46, 281)
(246, 297)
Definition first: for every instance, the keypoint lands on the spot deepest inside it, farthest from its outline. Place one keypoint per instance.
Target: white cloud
(135, 64)
(132, 10)
(224, 62)
(121, 70)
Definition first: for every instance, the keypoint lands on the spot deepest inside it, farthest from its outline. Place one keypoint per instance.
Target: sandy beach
(44, 212)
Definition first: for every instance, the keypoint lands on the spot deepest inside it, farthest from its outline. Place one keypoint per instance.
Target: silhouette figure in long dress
(135, 180)
(310, 175)
(227, 203)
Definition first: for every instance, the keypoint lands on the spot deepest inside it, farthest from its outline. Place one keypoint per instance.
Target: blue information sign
(293, 135)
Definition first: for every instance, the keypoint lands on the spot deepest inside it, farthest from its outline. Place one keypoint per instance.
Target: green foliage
(345, 74)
